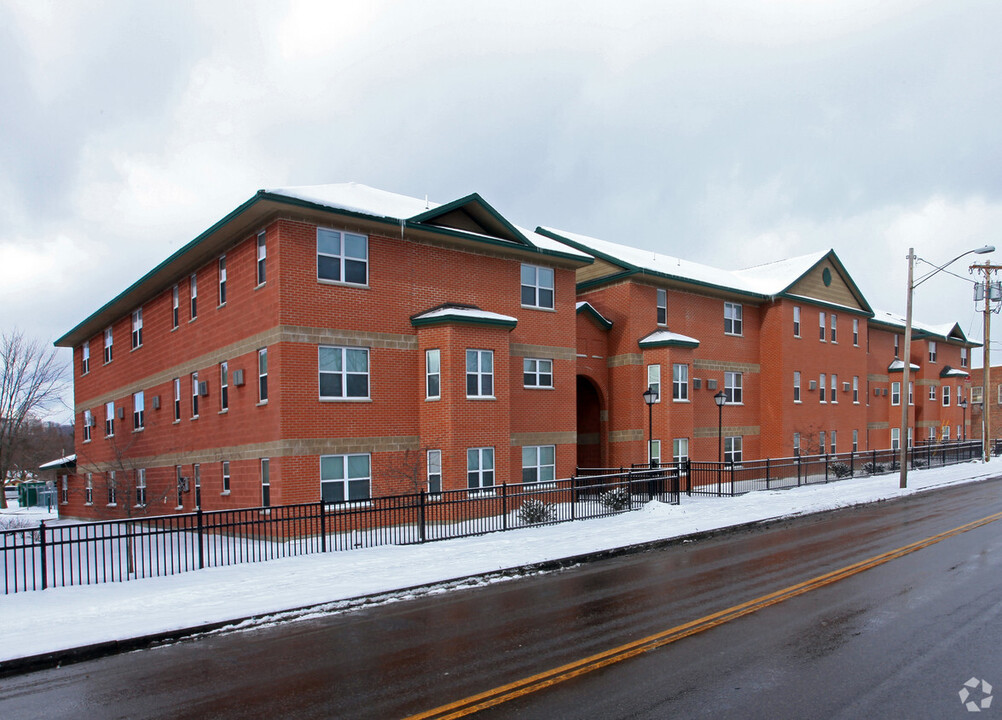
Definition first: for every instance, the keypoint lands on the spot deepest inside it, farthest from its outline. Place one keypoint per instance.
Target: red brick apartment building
(339, 342)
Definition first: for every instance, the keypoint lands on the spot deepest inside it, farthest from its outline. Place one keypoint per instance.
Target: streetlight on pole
(963, 425)
(720, 398)
(650, 397)
(906, 370)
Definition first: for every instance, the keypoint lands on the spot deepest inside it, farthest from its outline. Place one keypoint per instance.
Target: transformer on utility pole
(991, 292)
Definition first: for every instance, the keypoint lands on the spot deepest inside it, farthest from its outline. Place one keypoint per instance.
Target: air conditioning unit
(845, 387)
(203, 388)
(884, 392)
(876, 392)
(238, 377)
(813, 385)
(156, 402)
(696, 383)
(711, 384)
(121, 413)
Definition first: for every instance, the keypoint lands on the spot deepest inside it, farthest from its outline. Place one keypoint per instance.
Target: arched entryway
(590, 453)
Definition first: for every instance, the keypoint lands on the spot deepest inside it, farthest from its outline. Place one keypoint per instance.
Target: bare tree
(31, 379)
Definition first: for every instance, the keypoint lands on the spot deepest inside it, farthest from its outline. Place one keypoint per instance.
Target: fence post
(826, 467)
(852, 463)
(767, 463)
(688, 477)
(732, 479)
(504, 506)
(41, 544)
(798, 471)
(201, 556)
(323, 526)
(421, 516)
(574, 495)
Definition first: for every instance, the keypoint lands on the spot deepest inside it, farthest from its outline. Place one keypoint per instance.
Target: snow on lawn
(63, 618)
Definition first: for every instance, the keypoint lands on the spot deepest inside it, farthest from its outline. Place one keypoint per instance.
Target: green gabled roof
(480, 213)
(453, 314)
(833, 258)
(666, 338)
(598, 317)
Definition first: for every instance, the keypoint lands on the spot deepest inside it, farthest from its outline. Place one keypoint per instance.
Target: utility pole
(990, 294)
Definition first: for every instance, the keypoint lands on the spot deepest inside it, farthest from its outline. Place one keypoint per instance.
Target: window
(796, 321)
(111, 487)
(262, 375)
(88, 423)
(655, 452)
(654, 380)
(177, 399)
(480, 469)
(262, 255)
(796, 386)
(141, 487)
(680, 382)
(193, 285)
(834, 397)
(434, 472)
(946, 432)
(537, 373)
(344, 478)
(976, 393)
(855, 389)
(834, 451)
(911, 395)
(222, 280)
(895, 438)
(822, 387)
(64, 489)
(732, 387)
(342, 257)
(833, 336)
(85, 358)
(796, 444)
(932, 393)
(821, 325)
(89, 490)
(479, 373)
(137, 328)
(224, 386)
(932, 434)
(895, 393)
(226, 477)
(109, 419)
(175, 299)
(537, 286)
(946, 396)
(194, 395)
(855, 440)
(179, 481)
(265, 482)
(138, 411)
(680, 450)
(108, 342)
(821, 442)
(538, 464)
(732, 449)
(732, 319)
(855, 332)
(897, 343)
(963, 357)
(344, 373)
(932, 351)
(662, 306)
(433, 373)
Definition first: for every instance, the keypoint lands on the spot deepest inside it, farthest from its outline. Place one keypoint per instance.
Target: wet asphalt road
(896, 641)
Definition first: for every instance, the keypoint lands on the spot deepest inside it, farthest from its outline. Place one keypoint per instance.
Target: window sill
(798, 402)
(176, 422)
(179, 507)
(342, 283)
(727, 334)
(538, 387)
(194, 417)
(433, 399)
(112, 505)
(261, 403)
(138, 429)
(225, 492)
(193, 320)
(346, 504)
(136, 347)
(90, 504)
(538, 307)
(345, 400)
(223, 411)
(480, 397)
(685, 401)
(220, 306)
(140, 506)
(174, 329)
(481, 493)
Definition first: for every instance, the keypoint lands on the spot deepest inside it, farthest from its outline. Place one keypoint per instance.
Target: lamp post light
(650, 397)
(720, 398)
(963, 425)
(907, 357)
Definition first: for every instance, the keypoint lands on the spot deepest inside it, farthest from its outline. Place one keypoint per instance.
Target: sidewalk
(44, 628)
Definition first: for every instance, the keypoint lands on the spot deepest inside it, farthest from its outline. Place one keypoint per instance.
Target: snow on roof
(899, 366)
(585, 304)
(889, 318)
(767, 279)
(69, 459)
(665, 337)
(456, 312)
(953, 372)
(355, 197)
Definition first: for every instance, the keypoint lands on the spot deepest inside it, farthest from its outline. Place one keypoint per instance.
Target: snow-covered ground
(63, 618)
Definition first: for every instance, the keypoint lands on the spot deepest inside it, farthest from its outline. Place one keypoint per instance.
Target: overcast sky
(729, 133)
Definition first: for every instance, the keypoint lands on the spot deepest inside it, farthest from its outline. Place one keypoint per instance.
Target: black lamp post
(963, 406)
(720, 398)
(650, 397)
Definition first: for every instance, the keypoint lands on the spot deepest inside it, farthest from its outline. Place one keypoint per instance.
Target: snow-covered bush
(873, 468)
(535, 511)
(616, 499)
(841, 469)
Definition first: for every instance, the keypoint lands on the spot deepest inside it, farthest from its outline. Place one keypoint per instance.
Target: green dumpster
(27, 493)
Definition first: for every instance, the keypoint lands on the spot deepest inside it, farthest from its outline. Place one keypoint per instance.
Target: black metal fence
(43, 556)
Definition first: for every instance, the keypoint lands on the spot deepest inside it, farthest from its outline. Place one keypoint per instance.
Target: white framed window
(345, 478)
(224, 386)
(821, 326)
(796, 444)
(265, 482)
(733, 388)
(946, 396)
(141, 487)
(179, 484)
(109, 342)
(654, 380)
(897, 346)
(85, 358)
(109, 419)
(537, 286)
(262, 375)
(855, 389)
(137, 328)
(138, 411)
(680, 450)
(946, 433)
(932, 393)
(538, 464)
(112, 487)
(932, 433)
(262, 257)
(796, 321)
(64, 489)
(796, 386)
(834, 387)
(855, 332)
(344, 372)
(822, 387)
(662, 306)
(895, 438)
(89, 489)
(680, 382)
(732, 449)
(833, 446)
(479, 373)
(433, 374)
(655, 451)
(175, 315)
(537, 373)
(932, 351)
(177, 399)
(480, 469)
(342, 257)
(895, 393)
(833, 335)
(226, 477)
(194, 395)
(732, 318)
(976, 393)
(911, 392)
(193, 288)
(434, 472)
(821, 442)
(88, 423)
(963, 357)
(855, 440)
(222, 279)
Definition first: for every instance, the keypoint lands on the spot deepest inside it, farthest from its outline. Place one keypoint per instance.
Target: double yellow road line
(557, 675)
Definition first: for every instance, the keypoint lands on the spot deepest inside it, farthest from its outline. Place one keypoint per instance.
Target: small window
(932, 393)
(654, 452)
(946, 396)
(433, 373)
(833, 336)
(262, 375)
(538, 464)
(480, 469)
(196, 471)
(821, 326)
(680, 382)
(976, 393)
(344, 373)
(796, 321)
(855, 332)
(732, 318)
(479, 373)
(654, 380)
(137, 328)
(193, 286)
(897, 346)
(821, 442)
(175, 307)
(262, 256)
(88, 423)
(680, 450)
(833, 446)
(537, 373)
(342, 257)
(895, 393)
(434, 472)
(64, 489)
(224, 386)
(537, 286)
(194, 395)
(265, 482)
(109, 419)
(855, 440)
(834, 386)
(732, 449)
(179, 484)
(796, 444)
(345, 478)
(732, 387)
(222, 280)
(85, 358)
(89, 490)
(963, 357)
(226, 476)
(911, 394)
(141, 487)
(138, 411)
(822, 384)
(112, 488)
(855, 389)
(177, 399)
(946, 433)
(932, 351)
(662, 306)
(108, 345)
(796, 386)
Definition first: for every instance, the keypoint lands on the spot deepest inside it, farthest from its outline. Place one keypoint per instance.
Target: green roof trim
(595, 315)
(477, 201)
(648, 344)
(459, 320)
(803, 299)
